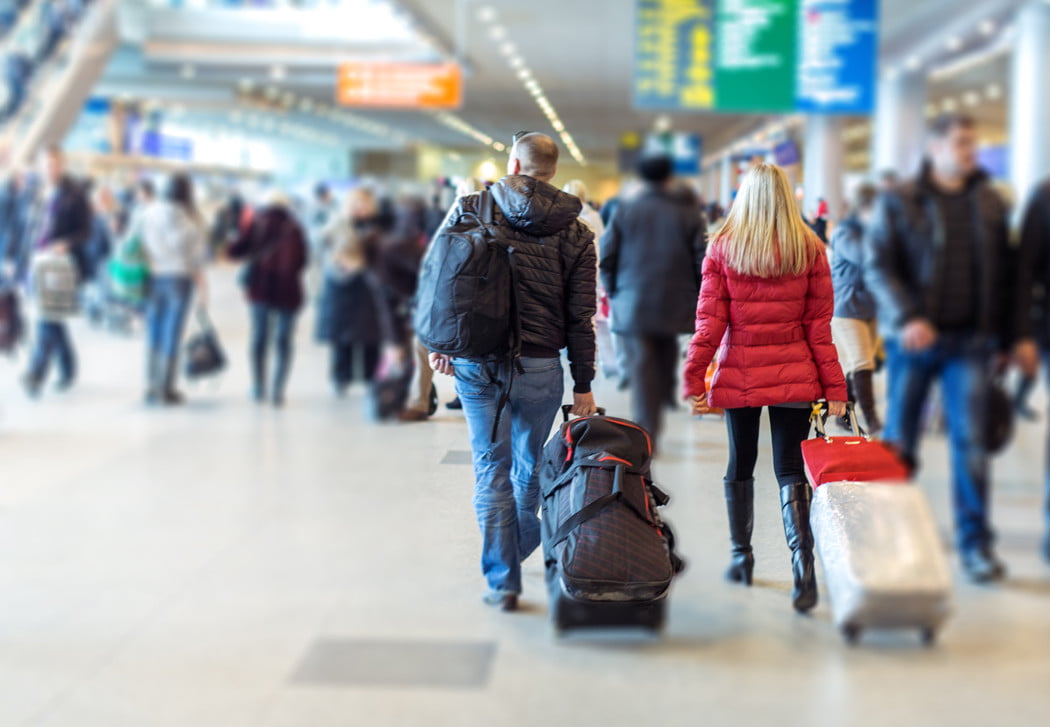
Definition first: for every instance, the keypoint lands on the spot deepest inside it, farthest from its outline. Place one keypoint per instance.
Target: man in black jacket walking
(1033, 306)
(652, 258)
(62, 225)
(556, 297)
(938, 261)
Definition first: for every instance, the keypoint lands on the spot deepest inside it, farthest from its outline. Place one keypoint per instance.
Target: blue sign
(838, 49)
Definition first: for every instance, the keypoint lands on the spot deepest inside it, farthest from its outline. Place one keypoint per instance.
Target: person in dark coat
(937, 258)
(274, 248)
(62, 223)
(1032, 309)
(652, 256)
(352, 317)
(398, 264)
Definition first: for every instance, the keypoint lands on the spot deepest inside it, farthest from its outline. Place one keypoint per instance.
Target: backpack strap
(488, 214)
(595, 508)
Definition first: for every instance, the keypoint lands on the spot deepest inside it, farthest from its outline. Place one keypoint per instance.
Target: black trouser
(344, 359)
(653, 361)
(790, 427)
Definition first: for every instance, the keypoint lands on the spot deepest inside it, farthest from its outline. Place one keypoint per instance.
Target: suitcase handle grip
(566, 412)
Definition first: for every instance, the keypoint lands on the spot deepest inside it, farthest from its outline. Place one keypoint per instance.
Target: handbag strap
(818, 415)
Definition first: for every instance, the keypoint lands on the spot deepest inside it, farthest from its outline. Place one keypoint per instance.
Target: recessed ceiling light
(971, 98)
(516, 62)
(914, 63)
(954, 43)
(278, 73)
(987, 27)
(994, 91)
(524, 74)
(497, 32)
(486, 13)
(508, 49)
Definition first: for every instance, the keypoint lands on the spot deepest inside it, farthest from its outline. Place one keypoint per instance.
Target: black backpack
(467, 294)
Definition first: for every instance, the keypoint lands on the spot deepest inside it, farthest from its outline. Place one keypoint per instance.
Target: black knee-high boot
(864, 391)
(740, 502)
(794, 506)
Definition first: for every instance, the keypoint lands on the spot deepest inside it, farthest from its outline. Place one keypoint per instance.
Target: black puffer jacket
(903, 257)
(557, 269)
(1032, 303)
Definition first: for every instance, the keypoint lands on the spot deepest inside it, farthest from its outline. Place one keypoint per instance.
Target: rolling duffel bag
(609, 556)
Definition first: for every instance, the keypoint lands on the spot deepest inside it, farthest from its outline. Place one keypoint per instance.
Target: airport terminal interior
(229, 557)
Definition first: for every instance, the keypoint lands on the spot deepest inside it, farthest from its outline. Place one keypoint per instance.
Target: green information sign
(755, 65)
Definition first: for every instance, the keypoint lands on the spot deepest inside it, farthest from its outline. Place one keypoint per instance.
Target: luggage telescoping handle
(817, 417)
(566, 412)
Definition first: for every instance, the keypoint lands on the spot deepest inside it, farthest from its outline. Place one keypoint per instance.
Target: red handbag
(856, 458)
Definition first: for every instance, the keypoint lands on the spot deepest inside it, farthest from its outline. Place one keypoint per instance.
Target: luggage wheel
(851, 633)
(929, 636)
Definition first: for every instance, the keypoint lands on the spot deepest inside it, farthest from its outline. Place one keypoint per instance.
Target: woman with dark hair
(274, 248)
(174, 244)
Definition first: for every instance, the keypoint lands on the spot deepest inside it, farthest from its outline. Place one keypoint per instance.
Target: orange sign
(400, 85)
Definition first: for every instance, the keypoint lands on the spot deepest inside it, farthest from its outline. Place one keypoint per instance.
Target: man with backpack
(62, 225)
(527, 233)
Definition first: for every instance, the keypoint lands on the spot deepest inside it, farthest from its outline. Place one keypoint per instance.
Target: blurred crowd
(31, 33)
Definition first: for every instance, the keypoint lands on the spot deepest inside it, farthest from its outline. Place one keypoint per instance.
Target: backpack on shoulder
(466, 300)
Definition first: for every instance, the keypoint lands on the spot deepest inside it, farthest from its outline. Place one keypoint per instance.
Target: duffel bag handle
(566, 412)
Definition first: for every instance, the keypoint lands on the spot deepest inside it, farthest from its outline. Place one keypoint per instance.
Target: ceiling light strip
(497, 33)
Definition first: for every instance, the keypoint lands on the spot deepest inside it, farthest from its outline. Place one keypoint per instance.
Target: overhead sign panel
(400, 85)
(838, 48)
(756, 55)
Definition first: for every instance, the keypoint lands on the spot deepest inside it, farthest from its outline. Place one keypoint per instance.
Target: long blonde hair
(764, 234)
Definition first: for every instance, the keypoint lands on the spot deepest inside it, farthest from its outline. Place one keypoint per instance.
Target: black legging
(790, 427)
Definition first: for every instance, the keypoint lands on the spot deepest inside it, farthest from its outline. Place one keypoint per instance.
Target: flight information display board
(764, 56)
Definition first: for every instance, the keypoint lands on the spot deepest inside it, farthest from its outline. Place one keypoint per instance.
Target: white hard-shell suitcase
(884, 565)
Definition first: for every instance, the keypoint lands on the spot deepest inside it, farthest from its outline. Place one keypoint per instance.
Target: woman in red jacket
(767, 301)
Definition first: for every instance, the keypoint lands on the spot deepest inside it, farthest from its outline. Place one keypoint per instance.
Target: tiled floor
(225, 565)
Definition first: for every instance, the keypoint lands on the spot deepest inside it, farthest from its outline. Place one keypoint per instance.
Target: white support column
(900, 123)
(725, 187)
(823, 163)
(1029, 100)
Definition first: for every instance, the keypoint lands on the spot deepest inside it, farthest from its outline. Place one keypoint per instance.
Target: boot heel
(741, 569)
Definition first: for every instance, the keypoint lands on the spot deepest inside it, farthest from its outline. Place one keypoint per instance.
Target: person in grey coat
(854, 326)
(652, 255)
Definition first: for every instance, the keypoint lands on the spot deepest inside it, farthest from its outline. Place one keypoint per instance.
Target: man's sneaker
(982, 566)
(454, 405)
(505, 601)
(64, 385)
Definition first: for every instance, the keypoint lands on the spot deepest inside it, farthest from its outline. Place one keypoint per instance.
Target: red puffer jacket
(775, 335)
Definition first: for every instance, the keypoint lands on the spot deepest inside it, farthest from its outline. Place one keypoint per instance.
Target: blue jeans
(264, 320)
(963, 365)
(507, 488)
(52, 341)
(166, 309)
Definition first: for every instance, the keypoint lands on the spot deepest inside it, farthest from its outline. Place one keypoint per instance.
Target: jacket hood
(534, 207)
